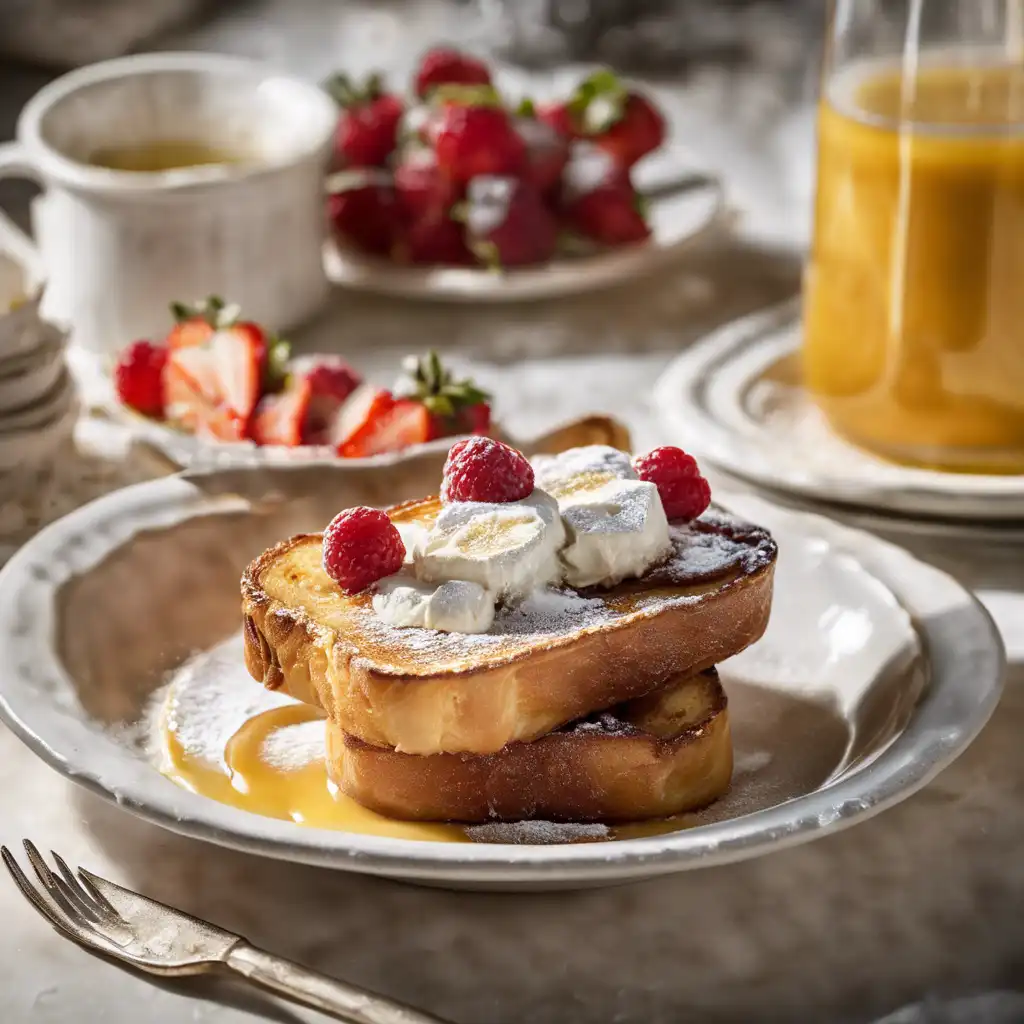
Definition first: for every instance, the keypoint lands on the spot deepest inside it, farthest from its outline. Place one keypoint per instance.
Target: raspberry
(361, 546)
(481, 469)
(138, 377)
(684, 493)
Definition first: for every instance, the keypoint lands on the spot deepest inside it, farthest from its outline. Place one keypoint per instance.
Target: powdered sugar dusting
(537, 833)
(210, 698)
(712, 547)
(293, 747)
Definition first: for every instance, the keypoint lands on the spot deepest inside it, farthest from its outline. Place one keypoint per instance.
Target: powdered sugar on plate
(537, 833)
(209, 699)
(293, 747)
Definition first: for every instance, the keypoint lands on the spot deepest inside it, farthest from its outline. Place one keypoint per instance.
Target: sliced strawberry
(331, 381)
(191, 387)
(239, 354)
(358, 414)
(406, 423)
(281, 419)
(213, 388)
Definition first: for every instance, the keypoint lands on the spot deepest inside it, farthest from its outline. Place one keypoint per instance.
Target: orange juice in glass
(914, 291)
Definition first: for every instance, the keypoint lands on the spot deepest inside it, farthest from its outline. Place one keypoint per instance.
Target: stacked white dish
(37, 398)
(734, 400)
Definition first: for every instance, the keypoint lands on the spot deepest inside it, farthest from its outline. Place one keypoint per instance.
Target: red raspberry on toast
(361, 546)
(684, 493)
(482, 469)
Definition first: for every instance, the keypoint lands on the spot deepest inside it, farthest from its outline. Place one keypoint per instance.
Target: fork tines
(70, 903)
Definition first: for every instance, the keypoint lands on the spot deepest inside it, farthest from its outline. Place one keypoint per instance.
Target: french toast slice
(540, 666)
(656, 756)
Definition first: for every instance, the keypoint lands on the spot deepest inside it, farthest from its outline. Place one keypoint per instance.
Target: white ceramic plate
(876, 671)
(720, 403)
(677, 221)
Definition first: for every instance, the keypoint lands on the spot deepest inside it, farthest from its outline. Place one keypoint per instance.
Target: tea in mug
(164, 156)
(914, 295)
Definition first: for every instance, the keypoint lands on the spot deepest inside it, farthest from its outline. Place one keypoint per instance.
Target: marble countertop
(925, 900)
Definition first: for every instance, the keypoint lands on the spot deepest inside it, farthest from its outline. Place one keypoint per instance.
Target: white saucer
(719, 404)
(678, 220)
(31, 434)
(25, 378)
(876, 671)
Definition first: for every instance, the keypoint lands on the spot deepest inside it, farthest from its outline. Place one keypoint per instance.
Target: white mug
(116, 247)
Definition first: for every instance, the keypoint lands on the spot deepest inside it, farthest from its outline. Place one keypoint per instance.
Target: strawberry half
(213, 388)
(358, 414)
(331, 381)
(281, 419)
(405, 423)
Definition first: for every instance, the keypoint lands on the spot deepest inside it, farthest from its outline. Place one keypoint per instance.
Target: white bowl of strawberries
(220, 384)
(459, 193)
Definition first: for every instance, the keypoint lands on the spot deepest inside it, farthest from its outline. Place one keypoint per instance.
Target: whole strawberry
(421, 190)
(507, 223)
(455, 406)
(367, 131)
(367, 216)
(622, 122)
(477, 140)
(445, 66)
(437, 240)
(547, 150)
(139, 377)
(611, 214)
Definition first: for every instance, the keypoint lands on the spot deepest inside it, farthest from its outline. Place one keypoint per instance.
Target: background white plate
(718, 404)
(97, 609)
(677, 221)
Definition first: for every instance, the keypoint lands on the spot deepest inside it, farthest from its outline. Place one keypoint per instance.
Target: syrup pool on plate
(218, 733)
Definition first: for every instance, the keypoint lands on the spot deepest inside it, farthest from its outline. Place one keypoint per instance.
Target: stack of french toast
(538, 642)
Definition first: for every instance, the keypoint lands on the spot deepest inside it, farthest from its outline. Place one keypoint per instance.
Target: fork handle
(301, 985)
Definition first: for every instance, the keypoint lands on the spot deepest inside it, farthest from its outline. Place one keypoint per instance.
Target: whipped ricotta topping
(589, 521)
(581, 468)
(455, 606)
(509, 548)
(616, 524)
(617, 531)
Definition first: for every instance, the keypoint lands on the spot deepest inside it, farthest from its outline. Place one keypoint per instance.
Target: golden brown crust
(516, 690)
(678, 758)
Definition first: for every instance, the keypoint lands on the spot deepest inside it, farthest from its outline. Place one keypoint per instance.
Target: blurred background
(735, 76)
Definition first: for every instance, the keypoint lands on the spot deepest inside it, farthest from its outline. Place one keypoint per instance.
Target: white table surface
(927, 898)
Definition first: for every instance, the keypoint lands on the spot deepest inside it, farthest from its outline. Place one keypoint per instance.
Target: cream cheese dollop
(616, 525)
(454, 606)
(509, 548)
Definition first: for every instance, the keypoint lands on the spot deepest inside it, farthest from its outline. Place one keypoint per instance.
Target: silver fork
(156, 938)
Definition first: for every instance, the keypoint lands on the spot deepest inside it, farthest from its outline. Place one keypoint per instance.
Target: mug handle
(14, 163)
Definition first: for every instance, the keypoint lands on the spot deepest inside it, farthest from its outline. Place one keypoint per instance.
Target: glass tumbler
(914, 290)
